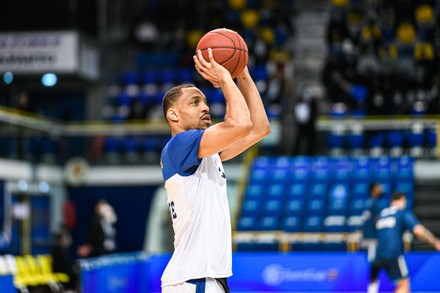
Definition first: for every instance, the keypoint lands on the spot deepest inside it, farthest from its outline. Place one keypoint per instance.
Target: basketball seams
(235, 48)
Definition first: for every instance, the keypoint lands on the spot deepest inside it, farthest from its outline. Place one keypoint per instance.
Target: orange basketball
(228, 48)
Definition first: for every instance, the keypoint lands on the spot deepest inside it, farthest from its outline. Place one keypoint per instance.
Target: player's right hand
(211, 71)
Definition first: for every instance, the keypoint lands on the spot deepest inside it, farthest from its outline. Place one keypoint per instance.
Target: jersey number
(172, 211)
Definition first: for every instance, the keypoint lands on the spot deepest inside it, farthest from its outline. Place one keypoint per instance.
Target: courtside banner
(36, 52)
(117, 273)
(321, 272)
(7, 284)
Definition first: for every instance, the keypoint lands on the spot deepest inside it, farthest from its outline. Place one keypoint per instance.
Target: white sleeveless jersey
(199, 209)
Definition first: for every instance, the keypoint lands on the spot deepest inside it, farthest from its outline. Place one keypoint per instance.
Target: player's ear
(172, 115)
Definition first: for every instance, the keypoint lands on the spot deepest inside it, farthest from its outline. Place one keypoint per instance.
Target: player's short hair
(172, 95)
(397, 195)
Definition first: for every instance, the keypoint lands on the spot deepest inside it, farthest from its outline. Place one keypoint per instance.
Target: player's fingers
(211, 56)
(202, 60)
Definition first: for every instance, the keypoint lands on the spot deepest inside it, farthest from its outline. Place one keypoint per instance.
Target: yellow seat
(237, 4)
(406, 33)
(250, 18)
(424, 14)
(45, 262)
(424, 51)
(24, 275)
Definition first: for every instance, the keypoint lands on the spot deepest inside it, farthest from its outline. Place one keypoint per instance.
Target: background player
(195, 179)
(392, 223)
(370, 216)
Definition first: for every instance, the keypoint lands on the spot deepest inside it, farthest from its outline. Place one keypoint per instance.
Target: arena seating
(316, 195)
(32, 272)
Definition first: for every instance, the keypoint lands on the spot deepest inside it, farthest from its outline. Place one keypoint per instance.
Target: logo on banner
(275, 274)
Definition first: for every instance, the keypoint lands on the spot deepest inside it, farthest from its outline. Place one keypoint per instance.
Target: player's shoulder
(186, 136)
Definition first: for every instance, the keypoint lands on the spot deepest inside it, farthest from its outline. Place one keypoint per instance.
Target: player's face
(402, 203)
(193, 109)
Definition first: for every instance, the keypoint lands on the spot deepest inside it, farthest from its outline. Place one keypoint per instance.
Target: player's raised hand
(211, 70)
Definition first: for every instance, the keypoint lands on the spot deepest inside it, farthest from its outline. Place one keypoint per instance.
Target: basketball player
(195, 179)
(370, 216)
(392, 223)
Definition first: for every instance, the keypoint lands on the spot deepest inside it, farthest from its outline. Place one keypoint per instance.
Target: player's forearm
(254, 102)
(424, 234)
(237, 112)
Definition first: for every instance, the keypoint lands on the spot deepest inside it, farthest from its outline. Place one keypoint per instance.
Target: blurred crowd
(166, 34)
(383, 57)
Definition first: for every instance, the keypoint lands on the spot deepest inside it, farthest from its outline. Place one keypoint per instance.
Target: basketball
(228, 48)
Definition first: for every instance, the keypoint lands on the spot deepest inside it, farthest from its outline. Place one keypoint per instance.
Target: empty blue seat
(124, 99)
(259, 175)
(313, 224)
(282, 162)
(357, 206)
(296, 191)
(432, 138)
(320, 174)
(269, 223)
(149, 77)
(376, 140)
(342, 175)
(300, 175)
(405, 187)
(185, 75)
(276, 190)
(279, 175)
(318, 190)
(315, 207)
(112, 145)
(255, 190)
(250, 207)
(247, 223)
(293, 207)
(416, 138)
(261, 162)
(130, 78)
(356, 141)
(361, 190)
(271, 207)
(337, 207)
(362, 174)
(336, 140)
(404, 169)
(395, 140)
(291, 224)
(301, 162)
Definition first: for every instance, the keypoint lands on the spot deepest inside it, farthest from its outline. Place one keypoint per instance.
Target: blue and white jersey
(199, 209)
(390, 227)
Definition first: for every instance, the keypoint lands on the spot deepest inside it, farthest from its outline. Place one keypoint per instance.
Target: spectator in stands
(370, 216)
(101, 236)
(194, 177)
(146, 34)
(306, 111)
(22, 102)
(391, 224)
(138, 111)
(62, 261)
